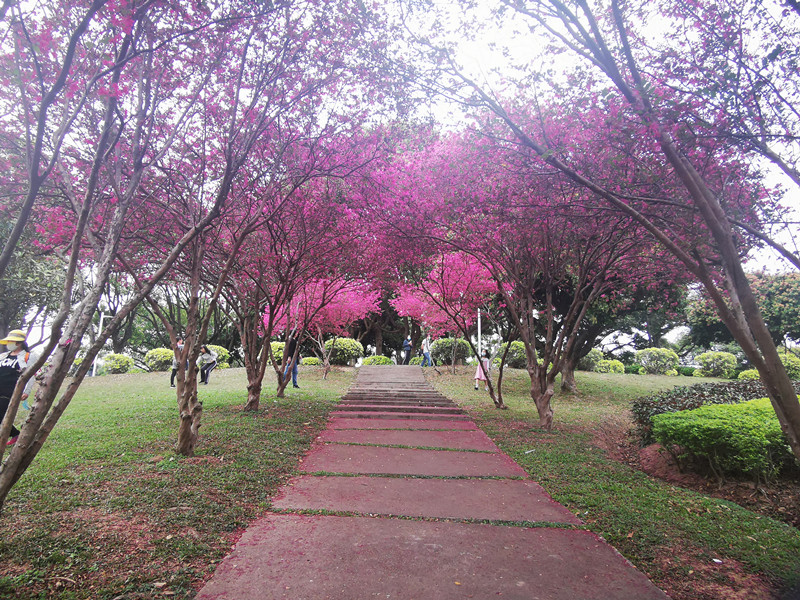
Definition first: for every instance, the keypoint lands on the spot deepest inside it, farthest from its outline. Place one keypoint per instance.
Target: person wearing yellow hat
(12, 363)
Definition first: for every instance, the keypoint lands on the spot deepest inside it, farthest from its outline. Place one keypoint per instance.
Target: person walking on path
(291, 360)
(208, 361)
(176, 353)
(482, 372)
(12, 363)
(426, 352)
(407, 350)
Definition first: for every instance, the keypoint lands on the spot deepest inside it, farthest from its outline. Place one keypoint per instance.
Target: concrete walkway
(418, 504)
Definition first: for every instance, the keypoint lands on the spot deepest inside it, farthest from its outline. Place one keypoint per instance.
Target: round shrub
(589, 362)
(609, 366)
(688, 397)
(686, 371)
(516, 358)
(657, 361)
(634, 369)
(117, 363)
(345, 351)
(672, 373)
(417, 360)
(377, 359)
(749, 375)
(277, 349)
(442, 350)
(717, 364)
(223, 356)
(159, 359)
(792, 365)
(311, 361)
(743, 438)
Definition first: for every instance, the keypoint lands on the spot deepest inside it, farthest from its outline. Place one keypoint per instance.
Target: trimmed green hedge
(345, 351)
(589, 362)
(749, 375)
(689, 397)
(442, 350)
(311, 361)
(417, 360)
(717, 364)
(657, 361)
(116, 364)
(378, 359)
(159, 359)
(733, 439)
(516, 359)
(609, 366)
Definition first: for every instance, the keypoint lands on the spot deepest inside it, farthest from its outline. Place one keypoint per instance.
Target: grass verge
(692, 546)
(108, 510)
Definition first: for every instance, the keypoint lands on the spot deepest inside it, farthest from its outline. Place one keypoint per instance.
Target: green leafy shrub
(159, 359)
(749, 375)
(223, 356)
(792, 364)
(277, 350)
(657, 361)
(117, 363)
(689, 397)
(345, 351)
(442, 350)
(589, 362)
(417, 360)
(672, 373)
(311, 361)
(378, 359)
(516, 358)
(634, 369)
(609, 366)
(686, 371)
(717, 364)
(733, 439)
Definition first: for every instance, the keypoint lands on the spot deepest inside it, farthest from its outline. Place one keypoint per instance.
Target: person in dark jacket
(291, 361)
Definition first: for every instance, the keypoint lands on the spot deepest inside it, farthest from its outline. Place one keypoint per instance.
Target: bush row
(691, 397)
(732, 439)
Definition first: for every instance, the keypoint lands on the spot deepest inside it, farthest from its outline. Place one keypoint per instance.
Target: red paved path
(387, 540)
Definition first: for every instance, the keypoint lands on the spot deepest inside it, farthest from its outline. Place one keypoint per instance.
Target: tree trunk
(568, 377)
(542, 391)
(253, 395)
(190, 410)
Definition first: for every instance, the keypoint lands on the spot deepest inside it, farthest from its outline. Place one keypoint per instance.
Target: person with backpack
(12, 363)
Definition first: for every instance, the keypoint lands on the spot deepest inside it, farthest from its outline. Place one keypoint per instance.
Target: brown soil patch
(688, 576)
(685, 574)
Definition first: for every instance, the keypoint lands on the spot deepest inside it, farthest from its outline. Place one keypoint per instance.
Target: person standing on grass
(12, 363)
(482, 372)
(208, 361)
(291, 360)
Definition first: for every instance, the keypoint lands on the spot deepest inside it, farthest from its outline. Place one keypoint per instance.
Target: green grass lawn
(672, 534)
(108, 511)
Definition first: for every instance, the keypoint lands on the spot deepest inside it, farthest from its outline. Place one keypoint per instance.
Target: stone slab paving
(478, 499)
(334, 458)
(350, 422)
(454, 440)
(318, 557)
(312, 557)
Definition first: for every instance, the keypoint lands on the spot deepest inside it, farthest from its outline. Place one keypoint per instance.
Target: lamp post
(479, 335)
(99, 330)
